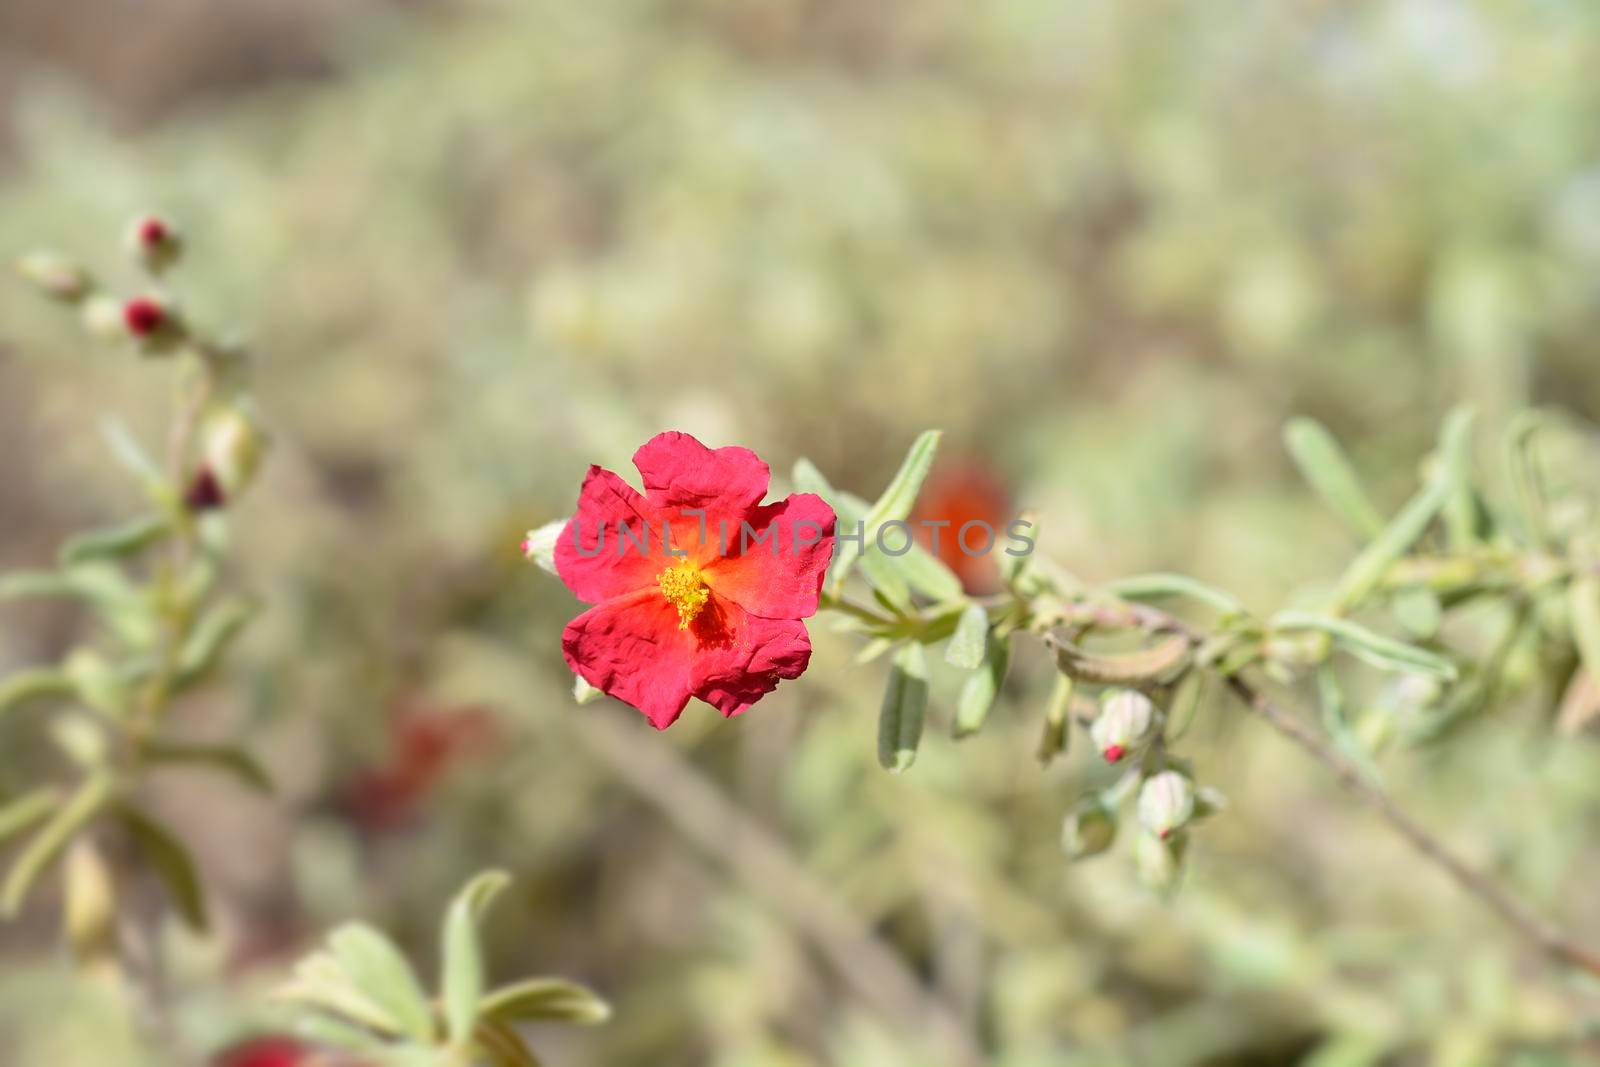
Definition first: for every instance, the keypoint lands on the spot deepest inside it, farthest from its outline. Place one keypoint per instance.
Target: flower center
(684, 590)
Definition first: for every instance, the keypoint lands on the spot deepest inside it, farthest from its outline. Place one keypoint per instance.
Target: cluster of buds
(150, 320)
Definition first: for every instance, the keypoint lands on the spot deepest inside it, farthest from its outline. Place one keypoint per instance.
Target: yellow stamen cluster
(684, 590)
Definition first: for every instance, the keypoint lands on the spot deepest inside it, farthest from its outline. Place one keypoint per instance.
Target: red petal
(740, 657)
(778, 577)
(630, 647)
(680, 472)
(591, 562)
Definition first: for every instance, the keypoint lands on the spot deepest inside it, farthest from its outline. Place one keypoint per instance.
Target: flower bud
(1160, 860)
(1125, 720)
(204, 491)
(89, 908)
(152, 322)
(234, 445)
(1166, 802)
(153, 243)
(102, 317)
(1088, 829)
(55, 276)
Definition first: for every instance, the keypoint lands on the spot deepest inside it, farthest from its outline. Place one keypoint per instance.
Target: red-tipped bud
(204, 492)
(1126, 720)
(143, 316)
(153, 243)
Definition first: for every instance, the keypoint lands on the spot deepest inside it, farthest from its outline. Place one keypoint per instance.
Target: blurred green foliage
(1108, 247)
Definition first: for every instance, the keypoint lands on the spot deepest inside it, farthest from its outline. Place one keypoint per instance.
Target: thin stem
(1550, 938)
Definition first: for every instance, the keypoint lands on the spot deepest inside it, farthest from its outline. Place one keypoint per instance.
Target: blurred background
(1107, 246)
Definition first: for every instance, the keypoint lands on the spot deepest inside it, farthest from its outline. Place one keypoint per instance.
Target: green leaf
(1526, 477)
(894, 504)
(1336, 720)
(124, 539)
(503, 1045)
(1157, 586)
(1144, 667)
(1186, 701)
(905, 701)
(21, 585)
(225, 758)
(1367, 645)
(99, 582)
(463, 980)
(1328, 471)
(335, 1033)
(1057, 733)
(210, 638)
(171, 861)
(917, 568)
(546, 999)
(37, 683)
(380, 972)
(98, 683)
(320, 981)
(1367, 569)
(52, 839)
(129, 452)
(982, 687)
(967, 644)
(19, 813)
(1417, 608)
(1583, 603)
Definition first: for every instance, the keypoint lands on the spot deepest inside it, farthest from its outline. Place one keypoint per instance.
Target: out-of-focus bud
(152, 322)
(1166, 802)
(1160, 860)
(268, 1051)
(55, 276)
(234, 445)
(1125, 719)
(102, 317)
(540, 544)
(89, 914)
(1088, 829)
(204, 491)
(153, 243)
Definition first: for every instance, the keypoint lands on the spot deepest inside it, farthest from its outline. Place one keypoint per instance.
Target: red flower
(144, 315)
(954, 498)
(265, 1052)
(713, 614)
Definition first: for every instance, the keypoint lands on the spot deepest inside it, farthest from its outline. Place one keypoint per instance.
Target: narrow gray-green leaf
(171, 861)
(380, 972)
(1057, 734)
(503, 1045)
(462, 982)
(52, 839)
(905, 701)
(1368, 645)
(1417, 608)
(967, 644)
(19, 813)
(225, 758)
(1328, 471)
(210, 639)
(1455, 458)
(982, 687)
(1367, 569)
(124, 539)
(548, 999)
(1158, 586)
(1147, 666)
(36, 683)
(895, 503)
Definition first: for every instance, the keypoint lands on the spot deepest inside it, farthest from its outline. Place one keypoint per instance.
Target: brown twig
(874, 971)
(1551, 939)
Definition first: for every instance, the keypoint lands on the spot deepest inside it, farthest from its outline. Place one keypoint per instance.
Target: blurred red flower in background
(969, 491)
(721, 621)
(426, 743)
(266, 1051)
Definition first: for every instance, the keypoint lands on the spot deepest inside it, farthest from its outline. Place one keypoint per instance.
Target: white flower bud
(55, 276)
(1166, 802)
(1160, 860)
(1125, 721)
(234, 444)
